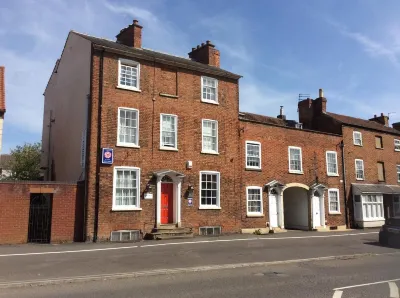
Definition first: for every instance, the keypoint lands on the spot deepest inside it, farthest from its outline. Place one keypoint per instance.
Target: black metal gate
(40, 218)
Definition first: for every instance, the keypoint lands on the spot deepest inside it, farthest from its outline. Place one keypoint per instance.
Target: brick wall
(275, 165)
(371, 156)
(67, 211)
(154, 80)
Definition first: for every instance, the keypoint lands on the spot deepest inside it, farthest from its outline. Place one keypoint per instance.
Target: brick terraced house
(163, 149)
(371, 160)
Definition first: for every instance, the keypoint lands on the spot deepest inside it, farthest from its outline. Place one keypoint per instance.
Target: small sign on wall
(148, 195)
(190, 202)
(107, 156)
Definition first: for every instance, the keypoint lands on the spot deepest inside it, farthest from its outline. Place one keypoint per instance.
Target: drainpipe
(344, 183)
(97, 190)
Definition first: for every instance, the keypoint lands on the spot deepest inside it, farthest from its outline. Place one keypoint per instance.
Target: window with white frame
(396, 145)
(128, 74)
(254, 200)
(372, 206)
(334, 204)
(128, 127)
(126, 193)
(359, 169)
(209, 87)
(209, 190)
(357, 138)
(295, 160)
(210, 136)
(168, 131)
(398, 173)
(331, 163)
(253, 155)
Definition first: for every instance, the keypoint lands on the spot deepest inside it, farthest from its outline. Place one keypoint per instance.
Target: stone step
(171, 230)
(172, 236)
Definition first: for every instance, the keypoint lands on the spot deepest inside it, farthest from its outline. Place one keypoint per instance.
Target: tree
(25, 162)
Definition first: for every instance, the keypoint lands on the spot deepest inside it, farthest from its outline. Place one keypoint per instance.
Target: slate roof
(261, 119)
(150, 55)
(368, 124)
(2, 90)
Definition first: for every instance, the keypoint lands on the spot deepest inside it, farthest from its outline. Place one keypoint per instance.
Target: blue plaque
(107, 156)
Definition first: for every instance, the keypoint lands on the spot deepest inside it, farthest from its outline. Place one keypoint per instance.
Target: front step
(170, 232)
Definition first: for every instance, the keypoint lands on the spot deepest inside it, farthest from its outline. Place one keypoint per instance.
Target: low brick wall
(67, 210)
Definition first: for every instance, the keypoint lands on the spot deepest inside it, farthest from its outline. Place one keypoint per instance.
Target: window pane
(332, 163)
(126, 188)
(254, 201)
(210, 134)
(295, 159)
(209, 89)
(168, 131)
(209, 189)
(253, 155)
(127, 126)
(128, 75)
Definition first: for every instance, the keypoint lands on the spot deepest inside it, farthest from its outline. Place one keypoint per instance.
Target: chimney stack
(206, 54)
(131, 36)
(382, 119)
(396, 126)
(281, 114)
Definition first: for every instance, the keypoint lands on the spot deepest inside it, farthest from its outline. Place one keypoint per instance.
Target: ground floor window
(396, 206)
(254, 200)
(126, 188)
(333, 196)
(209, 190)
(372, 206)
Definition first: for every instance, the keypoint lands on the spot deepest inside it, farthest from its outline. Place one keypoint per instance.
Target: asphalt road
(284, 265)
(309, 279)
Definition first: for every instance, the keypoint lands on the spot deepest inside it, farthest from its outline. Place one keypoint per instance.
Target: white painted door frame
(321, 196)
(177, 189)
(279, 206)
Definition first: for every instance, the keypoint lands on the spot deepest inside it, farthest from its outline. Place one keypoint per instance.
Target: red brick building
(162, 147)
(372, 160)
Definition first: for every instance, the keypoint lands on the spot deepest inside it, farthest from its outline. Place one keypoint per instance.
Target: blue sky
(351, 49)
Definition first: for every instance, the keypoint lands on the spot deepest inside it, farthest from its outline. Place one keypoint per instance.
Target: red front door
(167, 203)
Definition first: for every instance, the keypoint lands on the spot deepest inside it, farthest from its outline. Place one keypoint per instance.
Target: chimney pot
(281, 111)
(198, 47)
(202, 44)
(382, 114)
(193, 49)
(135, 22)
(321, 93)
(208, 42)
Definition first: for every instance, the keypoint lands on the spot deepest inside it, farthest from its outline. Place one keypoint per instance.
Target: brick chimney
(396, 126)
(306, 112)
(206, 54)
(320, 103)
(382, 119)
(131, 36)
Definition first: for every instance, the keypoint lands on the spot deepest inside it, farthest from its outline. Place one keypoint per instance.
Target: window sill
(126, 209)
(359, 179)
(255, 215)
(333, 175)
(129, 89)
(209, 208)
(210, 101)
(253, 169)
(334, 213)
(127, 145)
(210, 152)
(358, 145)
(379, 148)
(168, 149)
(395, 150)
(296, 173)
(168, 95)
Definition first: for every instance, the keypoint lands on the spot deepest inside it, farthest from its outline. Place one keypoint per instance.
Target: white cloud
(374, 48)
(133, 11)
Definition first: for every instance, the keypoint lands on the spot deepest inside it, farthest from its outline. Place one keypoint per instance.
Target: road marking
(173, 271)
(337, 294)
(368, 284)
(182, 243)
(394, 290)
(67, 251)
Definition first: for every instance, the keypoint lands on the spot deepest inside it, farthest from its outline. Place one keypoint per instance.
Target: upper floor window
(359, 169)
(126, 188)
(295, 160)
(334, 204)
(210, 136)
(128, 74)
(253, 155)
(254, 200)
(209, 87)
(396, 145)
(357, 138)
(398, 173)
(378, 142)
(209, 190)
(128, 127)
(168, 131)
(331, 163)
(381, 171)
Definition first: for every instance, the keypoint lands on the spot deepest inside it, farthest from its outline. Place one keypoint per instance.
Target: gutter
(344, 183)
(98, 153)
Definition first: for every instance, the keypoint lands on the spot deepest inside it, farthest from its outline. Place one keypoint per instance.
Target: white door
(316, 212)
(273, 211)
